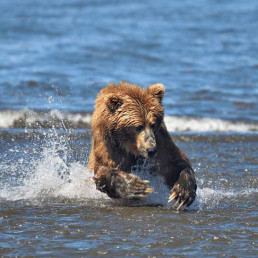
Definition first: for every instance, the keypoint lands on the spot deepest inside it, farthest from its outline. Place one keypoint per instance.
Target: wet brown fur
(127, 121)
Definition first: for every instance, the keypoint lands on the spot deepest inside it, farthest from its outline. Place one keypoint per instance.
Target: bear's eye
(139, 128)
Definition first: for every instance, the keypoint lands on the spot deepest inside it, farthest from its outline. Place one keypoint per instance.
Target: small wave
(175, 123)
(80, 120)
(44, 119)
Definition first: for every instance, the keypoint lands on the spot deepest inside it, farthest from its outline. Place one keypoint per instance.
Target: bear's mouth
(152, 152)
(143, 155)
(148, 154)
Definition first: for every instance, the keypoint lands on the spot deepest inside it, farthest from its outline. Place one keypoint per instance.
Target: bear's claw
(175, 204)
(172, 197)
(178, 199)
(180, 205)
(128, 186)
(149, 189)
(184, 190)
(140, 194)
(181, 198)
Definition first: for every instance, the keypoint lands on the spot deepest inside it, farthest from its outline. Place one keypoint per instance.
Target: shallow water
(56, 56)
(48, 209)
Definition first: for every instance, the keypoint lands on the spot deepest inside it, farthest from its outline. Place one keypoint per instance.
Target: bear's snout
(147, 143)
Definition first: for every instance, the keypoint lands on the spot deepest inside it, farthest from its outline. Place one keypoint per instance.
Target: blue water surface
(205, 52)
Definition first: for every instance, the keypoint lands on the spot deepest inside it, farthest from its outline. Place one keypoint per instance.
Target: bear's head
(133, 116)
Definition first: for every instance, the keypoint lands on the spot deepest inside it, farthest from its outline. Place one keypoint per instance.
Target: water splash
(49, 174)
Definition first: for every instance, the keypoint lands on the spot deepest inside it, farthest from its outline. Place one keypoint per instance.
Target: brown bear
(128, 125)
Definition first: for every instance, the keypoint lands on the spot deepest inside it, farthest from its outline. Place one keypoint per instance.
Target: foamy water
(54, 118)
(50, 175)
(174, 123)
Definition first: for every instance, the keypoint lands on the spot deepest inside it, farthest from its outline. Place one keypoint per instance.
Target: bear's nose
(151, 152)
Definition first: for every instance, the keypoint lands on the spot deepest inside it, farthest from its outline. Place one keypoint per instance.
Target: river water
(57, 55)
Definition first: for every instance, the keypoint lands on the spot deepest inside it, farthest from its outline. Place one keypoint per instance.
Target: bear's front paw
(128, 186)
(184, 190)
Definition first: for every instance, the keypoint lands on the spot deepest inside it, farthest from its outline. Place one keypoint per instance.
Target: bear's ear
(113, 101)
(157, 90)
